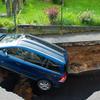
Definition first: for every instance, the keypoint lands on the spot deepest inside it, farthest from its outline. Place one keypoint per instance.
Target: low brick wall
(3, 30)
(53, 29)
(56, 29)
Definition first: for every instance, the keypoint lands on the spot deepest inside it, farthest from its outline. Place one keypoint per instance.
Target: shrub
(86, 17)
(52, 15)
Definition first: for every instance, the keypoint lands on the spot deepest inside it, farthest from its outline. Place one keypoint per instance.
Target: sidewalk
(81, 37)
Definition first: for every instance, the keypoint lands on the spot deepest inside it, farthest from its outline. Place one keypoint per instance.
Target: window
(33, 58)
(25, 55)
(53, 66)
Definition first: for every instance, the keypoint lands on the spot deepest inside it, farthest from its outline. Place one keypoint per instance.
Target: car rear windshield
(55, 47)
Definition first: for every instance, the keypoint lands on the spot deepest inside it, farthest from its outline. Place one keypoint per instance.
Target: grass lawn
(74, 8)
(34, 12)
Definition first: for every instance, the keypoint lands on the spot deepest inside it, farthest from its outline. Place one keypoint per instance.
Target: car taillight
(63, 78)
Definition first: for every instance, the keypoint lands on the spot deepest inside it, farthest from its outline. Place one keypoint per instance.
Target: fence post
(62, 4)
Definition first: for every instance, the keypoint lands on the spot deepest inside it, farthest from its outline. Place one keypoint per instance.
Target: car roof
(37, 45)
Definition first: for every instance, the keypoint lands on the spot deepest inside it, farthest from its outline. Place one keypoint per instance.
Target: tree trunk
(20, 3)
(16, 6)
(13, 6)
(9, 7)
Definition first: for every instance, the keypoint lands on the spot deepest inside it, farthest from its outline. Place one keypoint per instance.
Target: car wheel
(44, 85)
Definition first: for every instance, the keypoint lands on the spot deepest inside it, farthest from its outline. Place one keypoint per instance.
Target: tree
(13, 6)
(9, 7)
(16, 6)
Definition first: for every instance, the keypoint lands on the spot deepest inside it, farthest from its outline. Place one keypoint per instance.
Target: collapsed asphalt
(77, 87)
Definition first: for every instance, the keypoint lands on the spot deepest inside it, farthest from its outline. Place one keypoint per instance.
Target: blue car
(34, 58)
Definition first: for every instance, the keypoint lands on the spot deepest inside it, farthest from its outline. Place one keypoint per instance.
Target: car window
(33, 58)
(25, 55)
(52, 66)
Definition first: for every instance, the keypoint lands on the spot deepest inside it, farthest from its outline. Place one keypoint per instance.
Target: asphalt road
(77, 87)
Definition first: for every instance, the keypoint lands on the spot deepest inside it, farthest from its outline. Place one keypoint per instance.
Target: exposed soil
(83, 58)
(19, 85)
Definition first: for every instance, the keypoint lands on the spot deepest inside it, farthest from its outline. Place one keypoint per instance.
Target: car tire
(44, 85)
